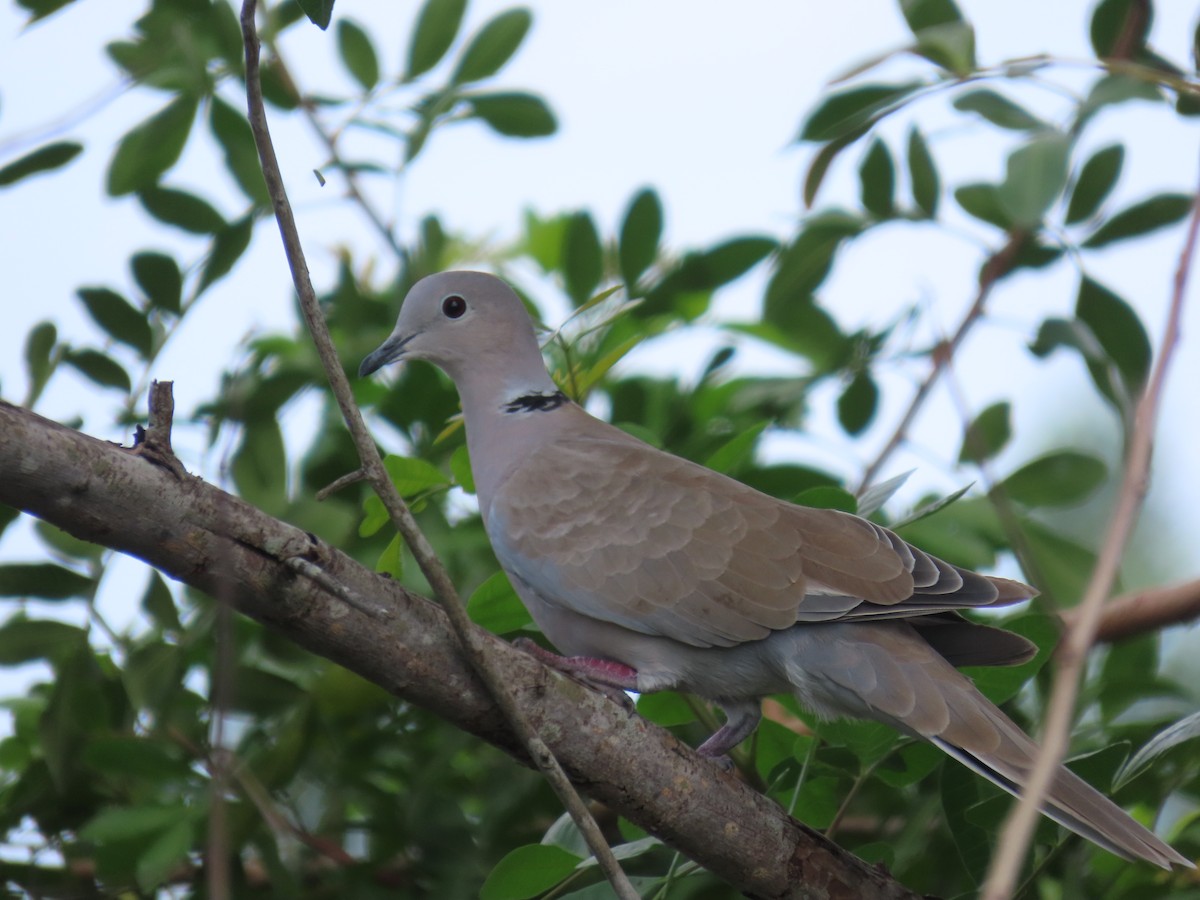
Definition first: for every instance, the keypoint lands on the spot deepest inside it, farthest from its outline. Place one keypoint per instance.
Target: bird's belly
(661, 663)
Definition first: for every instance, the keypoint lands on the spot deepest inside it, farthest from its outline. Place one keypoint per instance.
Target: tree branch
(1143, 612)
(1072, 653)
(219, 544)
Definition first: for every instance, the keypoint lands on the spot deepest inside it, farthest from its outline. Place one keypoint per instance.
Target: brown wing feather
(619, 531)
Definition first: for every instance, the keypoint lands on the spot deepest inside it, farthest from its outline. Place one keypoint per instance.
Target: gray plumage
(696, 582)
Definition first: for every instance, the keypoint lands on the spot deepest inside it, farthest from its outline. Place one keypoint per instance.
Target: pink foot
(613, 678)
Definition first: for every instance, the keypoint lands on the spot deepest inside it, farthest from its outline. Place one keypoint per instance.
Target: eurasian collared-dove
(656, 573)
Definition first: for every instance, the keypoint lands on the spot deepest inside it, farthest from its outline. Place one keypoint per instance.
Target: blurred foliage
(338, 789)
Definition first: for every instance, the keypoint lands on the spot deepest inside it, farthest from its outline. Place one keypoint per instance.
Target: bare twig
(352, 189)
(996, 267)
(1018, 827)
(1143, 612)
(468, 636)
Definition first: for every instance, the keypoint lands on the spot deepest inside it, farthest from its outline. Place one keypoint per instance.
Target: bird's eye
(454, 306)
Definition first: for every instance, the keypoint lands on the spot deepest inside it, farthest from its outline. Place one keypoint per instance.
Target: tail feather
(1080, 808)
(890, 672)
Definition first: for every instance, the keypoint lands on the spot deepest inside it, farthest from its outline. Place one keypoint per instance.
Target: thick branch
(215, 542)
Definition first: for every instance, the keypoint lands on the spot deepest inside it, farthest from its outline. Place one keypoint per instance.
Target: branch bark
(1144, 612)
(216, 542)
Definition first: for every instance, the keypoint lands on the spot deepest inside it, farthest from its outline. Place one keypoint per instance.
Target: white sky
(694, 98)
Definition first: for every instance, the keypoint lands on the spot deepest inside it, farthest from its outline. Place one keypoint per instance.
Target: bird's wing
(616, 530)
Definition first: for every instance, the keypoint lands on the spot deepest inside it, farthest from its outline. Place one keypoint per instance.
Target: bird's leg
(741, 718)
(613, 678)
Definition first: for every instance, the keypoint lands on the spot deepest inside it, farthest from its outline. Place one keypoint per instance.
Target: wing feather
(618, 531)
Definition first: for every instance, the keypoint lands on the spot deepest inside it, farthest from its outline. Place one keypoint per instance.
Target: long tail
(887, 672)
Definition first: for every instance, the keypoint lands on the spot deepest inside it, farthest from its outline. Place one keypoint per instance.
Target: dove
(651, 572)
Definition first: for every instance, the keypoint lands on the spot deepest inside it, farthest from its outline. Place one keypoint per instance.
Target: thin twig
(1145, 611)
(468, 636)
(1018, 827)
(310, 113)
(996, 267)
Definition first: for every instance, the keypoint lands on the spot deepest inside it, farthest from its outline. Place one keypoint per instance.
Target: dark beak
(389, 351)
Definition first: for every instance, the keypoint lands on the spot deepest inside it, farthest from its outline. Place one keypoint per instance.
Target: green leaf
(66, 544)
(641, 231)
(412, 475)
(358, 53)
(1035, 177)
(1063, 478)
(998, 110)
(987, 435)
(1114, 89)
(922, 14)
(1186, 729)
(99, 368)
(951, 46)
(259, 466)
(1141, 218)
(1109, 24)
(159, 278)
(227, 248)
(39, 9)
(263, 693)
(44, 159)
(818, 800)
(1096, 180)
(319, 12)
(877, 178)
(922, 172)
(150, 148)
(856, 406)
(961, 792)
(232, 131)
(853, 109)
(492, 46)
(26, 640)
(737, 451)
(164, 854)
(460, 469)
(159, 605)
(130, 822)
(39, 347)
(528, 871)
(824, 159)
(928, 509)
(182, 209)
(391, 560)
(826, 497)
(583, 258)
(873, 497)
(436, 28)
(1120, 332)
(514, 114)
(665, 708)
(119, 318)
(494, 605)
(983, 202)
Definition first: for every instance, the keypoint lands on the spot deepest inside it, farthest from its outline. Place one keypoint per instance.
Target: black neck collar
(543, 402)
